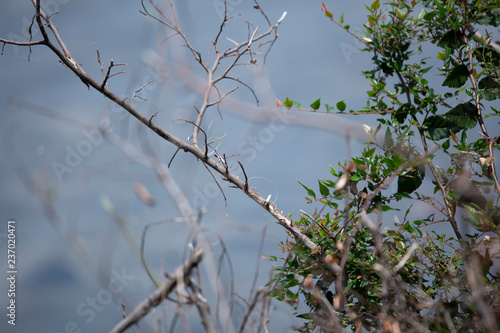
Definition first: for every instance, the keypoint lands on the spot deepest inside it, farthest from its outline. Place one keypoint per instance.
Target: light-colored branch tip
(282, 17)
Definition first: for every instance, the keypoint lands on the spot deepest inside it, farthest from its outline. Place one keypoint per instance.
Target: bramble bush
(410, 276)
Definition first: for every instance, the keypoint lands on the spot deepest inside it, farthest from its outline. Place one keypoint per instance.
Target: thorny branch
(65, 56)
(60, 49)
(236, 52)
(181, 273)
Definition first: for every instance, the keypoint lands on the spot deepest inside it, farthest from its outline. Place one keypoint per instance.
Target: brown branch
(246, 178)
(194, 149)
(138, 90)
(479, 116)
(13, 42)
(158, 296)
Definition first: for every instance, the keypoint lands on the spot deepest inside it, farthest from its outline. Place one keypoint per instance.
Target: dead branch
(181, 273)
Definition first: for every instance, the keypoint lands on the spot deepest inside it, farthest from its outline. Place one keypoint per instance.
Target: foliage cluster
(411, 276)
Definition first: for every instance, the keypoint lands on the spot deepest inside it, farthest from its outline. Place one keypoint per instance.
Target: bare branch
(218, 185)
(181, 273)
(247, 86)
(138, 90)
(71, 63)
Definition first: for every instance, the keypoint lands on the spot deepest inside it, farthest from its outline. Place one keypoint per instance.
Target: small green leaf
(375, 5)
(288, 103)
(341, 106)
(297, 104)
(316, 104)
(388, 141)
(329, 108)
(400, 13)
(421, 15)
(328, 182)
(309, 191)
(333, 171)
(323, 189)
(355, 178)
(341, 18)
(441, 56)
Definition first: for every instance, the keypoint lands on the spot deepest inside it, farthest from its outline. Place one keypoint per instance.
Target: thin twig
(246, 178)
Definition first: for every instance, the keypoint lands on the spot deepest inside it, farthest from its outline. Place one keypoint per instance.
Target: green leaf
(333, 171)
(375, 5)
(463, 115)
(355, 178)
(457, 77)
(329, 108)
(369, 153)
(386, 208)
(323, 189)
(309, 191)
(489, 88)
(441, 56)
(341, 18)
(421, 15)
(316, 104)
(328, 182)
(288, 103)
(451, 39)
(297, 104)
(411, 179)
(341, 106)
(487, 55)
(463, 138)
(307, 316)
(388, 141)
(489, 18)
(401, 113)
(438, 127)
